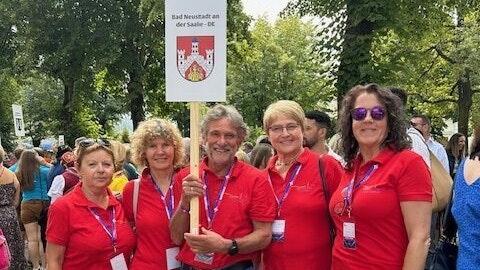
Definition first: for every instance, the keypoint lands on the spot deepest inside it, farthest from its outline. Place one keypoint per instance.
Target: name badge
(278, 230)
(204, 258)
(172, 262)
(118, 262)
(349, 235)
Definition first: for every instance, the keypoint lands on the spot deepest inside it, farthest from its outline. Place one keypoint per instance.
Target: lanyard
(169, 207)
(111, 230)
(289, 185)
(348, 198)
(212, 210)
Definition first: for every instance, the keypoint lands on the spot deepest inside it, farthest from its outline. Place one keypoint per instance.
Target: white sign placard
(195, 50)
(18, 120)
(61, 140)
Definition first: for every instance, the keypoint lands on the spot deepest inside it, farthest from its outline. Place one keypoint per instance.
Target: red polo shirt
(247, 198)
(307, 242)
(87, 246)
(152, 224)
(379, 227)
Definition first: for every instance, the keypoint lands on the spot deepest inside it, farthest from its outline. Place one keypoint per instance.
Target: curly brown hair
(148, 131)
(397, 138)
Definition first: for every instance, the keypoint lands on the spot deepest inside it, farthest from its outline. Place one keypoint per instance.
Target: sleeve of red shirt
(414, 182)
(58, 225)
(263, 205)
(127, 201)
(333, 173)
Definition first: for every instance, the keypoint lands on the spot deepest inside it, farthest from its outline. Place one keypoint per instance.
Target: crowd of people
(290, 200)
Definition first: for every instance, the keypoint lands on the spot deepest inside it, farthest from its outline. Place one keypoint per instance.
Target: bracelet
(185, 209)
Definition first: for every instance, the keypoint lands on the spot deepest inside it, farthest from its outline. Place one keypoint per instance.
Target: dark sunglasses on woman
(377, 113)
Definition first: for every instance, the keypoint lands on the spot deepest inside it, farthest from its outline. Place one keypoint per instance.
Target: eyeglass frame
(278, 129)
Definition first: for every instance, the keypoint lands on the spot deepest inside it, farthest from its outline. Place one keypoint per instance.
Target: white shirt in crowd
(439, 151)
(56, 190)
(418, 145)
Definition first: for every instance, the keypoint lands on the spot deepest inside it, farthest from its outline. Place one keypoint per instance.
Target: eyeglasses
(279, 129)
(377, 113)
(89, 142)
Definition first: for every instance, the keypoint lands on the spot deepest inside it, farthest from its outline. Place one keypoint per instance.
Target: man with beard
(317, 126)
(237, 206)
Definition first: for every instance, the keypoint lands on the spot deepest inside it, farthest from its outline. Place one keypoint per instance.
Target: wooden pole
(194, 161)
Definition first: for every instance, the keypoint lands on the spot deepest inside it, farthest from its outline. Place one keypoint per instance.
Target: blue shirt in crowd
(39, 190)
(466, 211)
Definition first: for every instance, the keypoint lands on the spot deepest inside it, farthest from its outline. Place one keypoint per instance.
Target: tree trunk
(465, 96)
(355, 58)
(136, 97)
(67, 110)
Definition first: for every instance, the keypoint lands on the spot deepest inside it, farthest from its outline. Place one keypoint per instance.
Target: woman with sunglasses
(382, 206)
(87, 228)
(156, 146)
(301, 230)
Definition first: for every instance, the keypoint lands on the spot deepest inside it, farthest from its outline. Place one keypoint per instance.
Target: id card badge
(118, 262)
(278, 230)
(171, 254)
(349, 240)
(204, 258)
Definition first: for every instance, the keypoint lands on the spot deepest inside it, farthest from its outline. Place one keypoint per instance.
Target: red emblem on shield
(195, 57)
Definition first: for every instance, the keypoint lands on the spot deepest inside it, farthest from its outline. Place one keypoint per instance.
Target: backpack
(5, 255)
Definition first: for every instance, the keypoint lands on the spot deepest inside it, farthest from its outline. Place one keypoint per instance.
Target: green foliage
(279, 63)
(41, 98)
(9, 89)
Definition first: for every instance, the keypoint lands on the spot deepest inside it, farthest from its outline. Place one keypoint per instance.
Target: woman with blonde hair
(149, 201)
(33, 181)
(120, 178)
(302, 182)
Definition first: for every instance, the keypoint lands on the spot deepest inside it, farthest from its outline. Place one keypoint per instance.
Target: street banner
(195, 50)
(18, 120)
(61, 140)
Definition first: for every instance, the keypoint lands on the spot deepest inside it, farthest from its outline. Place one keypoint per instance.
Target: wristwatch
(233, 249)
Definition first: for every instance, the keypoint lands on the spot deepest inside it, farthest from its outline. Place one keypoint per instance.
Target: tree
(278, 64)
(9, 88)
(437, 66)
(68, 41)
(350, 28)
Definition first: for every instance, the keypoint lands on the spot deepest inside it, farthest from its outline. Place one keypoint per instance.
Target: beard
(309, 142)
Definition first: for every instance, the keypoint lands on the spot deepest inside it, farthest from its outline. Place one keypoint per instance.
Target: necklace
(3, 170)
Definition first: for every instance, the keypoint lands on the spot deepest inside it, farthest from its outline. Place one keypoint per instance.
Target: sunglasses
(377, 113)
(89, 142)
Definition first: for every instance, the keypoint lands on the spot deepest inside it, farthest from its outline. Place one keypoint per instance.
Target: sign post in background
(195, 63)
(18, 120)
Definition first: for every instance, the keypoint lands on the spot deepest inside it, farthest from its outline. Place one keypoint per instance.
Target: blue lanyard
(211, 210)
(348, 197)
(289, 185)
(110, 230)
(169, 207)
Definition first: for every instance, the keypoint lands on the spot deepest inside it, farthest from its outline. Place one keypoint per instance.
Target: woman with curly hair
(382, 206)
(156, 146)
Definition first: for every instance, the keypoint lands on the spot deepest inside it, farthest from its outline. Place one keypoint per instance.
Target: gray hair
(225, 111)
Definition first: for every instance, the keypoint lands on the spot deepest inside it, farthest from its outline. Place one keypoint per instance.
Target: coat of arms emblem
(195, 57)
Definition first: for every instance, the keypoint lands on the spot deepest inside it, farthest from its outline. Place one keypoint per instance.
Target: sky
(270, 8)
